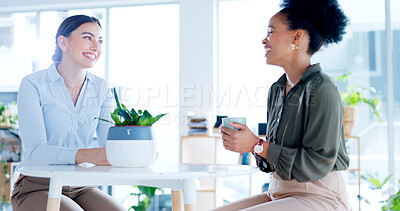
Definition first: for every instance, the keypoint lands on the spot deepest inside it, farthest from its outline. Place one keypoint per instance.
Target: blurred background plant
(5, 177)
(144, 197)
(352, 97)
(8, 116)
(355, 95)
(389, 197)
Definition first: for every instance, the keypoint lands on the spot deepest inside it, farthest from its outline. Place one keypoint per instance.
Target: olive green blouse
(305, 128)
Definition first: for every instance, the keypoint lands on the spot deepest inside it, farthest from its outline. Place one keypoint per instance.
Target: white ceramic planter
(130, 146)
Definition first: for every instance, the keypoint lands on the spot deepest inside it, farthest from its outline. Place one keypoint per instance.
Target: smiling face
(83, 47)
(278, 43)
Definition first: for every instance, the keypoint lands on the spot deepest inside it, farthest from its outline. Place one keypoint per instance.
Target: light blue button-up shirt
(52, 129)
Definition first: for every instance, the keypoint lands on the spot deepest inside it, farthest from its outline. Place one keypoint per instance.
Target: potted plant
(351, 98)
(130, 141)
(144, 197)
(7, 118)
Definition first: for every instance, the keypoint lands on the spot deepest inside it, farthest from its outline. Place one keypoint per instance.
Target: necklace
(73, 88)
(289, 84)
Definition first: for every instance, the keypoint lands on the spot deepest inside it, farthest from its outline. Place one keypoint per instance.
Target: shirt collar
(306, 75)
(282, 81)
(315, 68)
(55, 75)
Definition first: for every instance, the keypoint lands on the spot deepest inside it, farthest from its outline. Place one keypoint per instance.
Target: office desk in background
(176, 176)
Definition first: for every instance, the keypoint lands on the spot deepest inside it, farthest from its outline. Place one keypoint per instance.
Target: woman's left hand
(238, 141)
(96, 156)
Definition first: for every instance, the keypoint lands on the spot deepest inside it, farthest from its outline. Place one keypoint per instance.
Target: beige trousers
(328, 193)
(30, 194)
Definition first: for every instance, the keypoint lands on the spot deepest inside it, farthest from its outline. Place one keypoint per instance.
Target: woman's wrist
(96, 156)
(265, 146)
(81, 156)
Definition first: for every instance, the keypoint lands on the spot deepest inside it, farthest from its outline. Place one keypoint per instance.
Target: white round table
(176, 176)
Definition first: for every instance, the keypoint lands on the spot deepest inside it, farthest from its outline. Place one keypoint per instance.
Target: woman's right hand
(96, 156)
(238, 141)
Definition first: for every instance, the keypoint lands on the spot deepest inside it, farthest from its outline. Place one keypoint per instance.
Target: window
(17, 52)
(362, 52)
(144, 58)
(27, 43)
(244, 76)
(395, 11)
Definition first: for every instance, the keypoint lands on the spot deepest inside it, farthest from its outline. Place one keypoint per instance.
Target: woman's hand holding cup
(236, 136)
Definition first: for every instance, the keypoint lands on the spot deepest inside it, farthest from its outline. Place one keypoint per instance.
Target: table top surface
(155, 171)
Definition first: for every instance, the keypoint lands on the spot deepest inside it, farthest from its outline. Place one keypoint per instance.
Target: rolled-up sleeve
(320, 143)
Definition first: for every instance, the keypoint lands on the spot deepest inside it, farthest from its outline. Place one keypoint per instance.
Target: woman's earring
(294, 47)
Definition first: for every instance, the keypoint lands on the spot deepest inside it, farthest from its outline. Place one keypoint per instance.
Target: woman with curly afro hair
(305, 145)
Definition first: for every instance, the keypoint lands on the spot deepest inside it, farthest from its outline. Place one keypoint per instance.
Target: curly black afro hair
(324, 20)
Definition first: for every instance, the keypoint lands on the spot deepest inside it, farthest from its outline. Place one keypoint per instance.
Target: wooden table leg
(177, 202)
(189, 194)
(53, 204)
(53, 201)
(190, 207)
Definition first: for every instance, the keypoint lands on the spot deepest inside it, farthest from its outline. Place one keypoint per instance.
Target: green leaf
(354, 95)
(395, 207)
(137, 208)
(116, 98)
(156, 118)
(114, 116)
(134, 112)
(105, 120)
(127, 114)
(135, 116)
(364, 199)
(146, 119)
(344, 77)
(124, 114)
(125, 122)
(386, 179)
(376, 182)
(148, 193)
(373, 181)
(392, 203)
